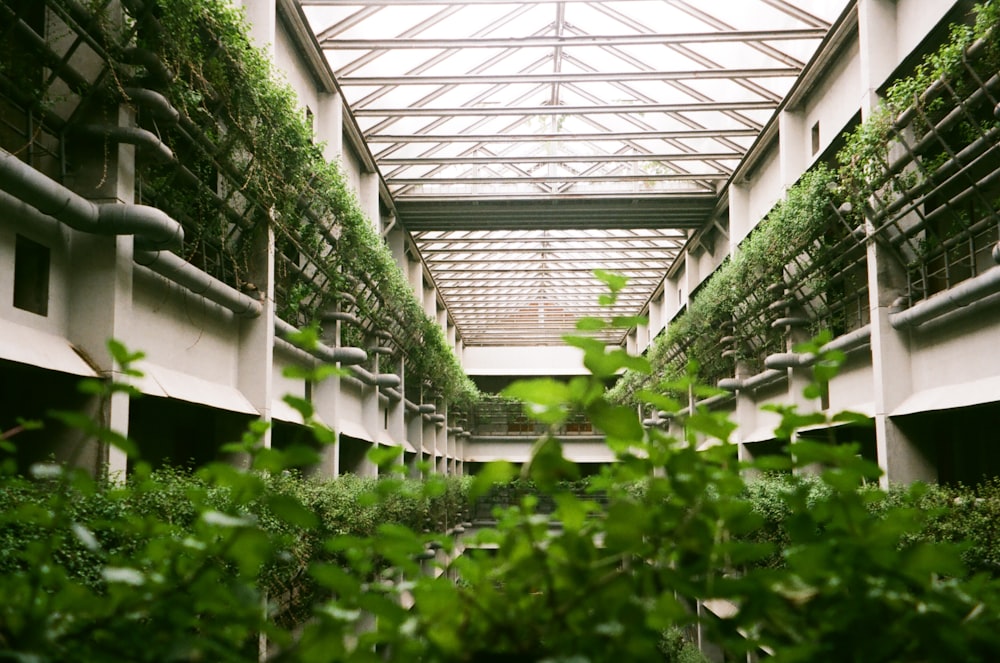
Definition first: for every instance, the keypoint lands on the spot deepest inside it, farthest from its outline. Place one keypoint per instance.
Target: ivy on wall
(242, 125)
(799, 224)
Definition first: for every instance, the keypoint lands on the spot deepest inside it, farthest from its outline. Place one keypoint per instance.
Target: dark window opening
(814, 138)
(31, 276)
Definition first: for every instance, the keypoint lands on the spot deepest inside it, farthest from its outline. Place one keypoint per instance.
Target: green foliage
(820, 566)
(694, 335)
(249, 130)
(798, 223)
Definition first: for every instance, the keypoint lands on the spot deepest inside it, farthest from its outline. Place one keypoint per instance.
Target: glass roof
(518, 138)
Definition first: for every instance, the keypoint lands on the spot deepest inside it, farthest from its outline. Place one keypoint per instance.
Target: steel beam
(571, 77)
(554, 137)
(568, 158)
(465, 111)
(569, 41)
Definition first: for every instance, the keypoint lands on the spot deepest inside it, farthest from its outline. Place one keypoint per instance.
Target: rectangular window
(31, 276)
(814, 138)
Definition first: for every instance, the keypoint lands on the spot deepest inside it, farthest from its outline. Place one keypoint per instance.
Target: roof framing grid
(612, 126)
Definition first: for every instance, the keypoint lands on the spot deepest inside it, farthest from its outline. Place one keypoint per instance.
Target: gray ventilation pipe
(965, 293)
(844, 343)
(782, 360)
(764, 377)
(157, 104)
(142, 139)
(390, 380)
(346, 356)
(183, 273)
(151, 61)
(162, 262)
(153, 228)
(392, 394)
(714, 400)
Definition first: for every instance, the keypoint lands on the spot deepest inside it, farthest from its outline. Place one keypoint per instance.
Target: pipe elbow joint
(349, 356)
(782, 360)
(390, 380)
(153, 228)
(730, 384)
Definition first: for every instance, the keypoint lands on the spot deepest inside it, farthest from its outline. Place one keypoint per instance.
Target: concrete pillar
(877, 42)
(657, 320)
(369, 199)
(255, 377)
(256, 366)
(740, 223)
(430, 301)
(415, 434)
(631, 342)
(328, 124)
(262, 17)
(102, 269)
(642, 337)
(792, 154)
(900, 458)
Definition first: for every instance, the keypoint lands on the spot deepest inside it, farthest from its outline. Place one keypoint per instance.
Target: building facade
(109, 173)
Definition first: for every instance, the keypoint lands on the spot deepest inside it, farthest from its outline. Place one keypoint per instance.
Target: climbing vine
(797, 233)
(248, 164)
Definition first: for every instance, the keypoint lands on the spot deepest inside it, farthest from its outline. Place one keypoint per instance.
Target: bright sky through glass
(555, 100)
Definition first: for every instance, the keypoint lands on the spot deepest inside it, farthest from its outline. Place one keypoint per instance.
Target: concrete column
(415, 434)
(326, 398)
(262, 17)
(329, 125)
(900, 458)
(877, 42)
(369, 199)
(255, 377)
(740, 224)
(102, 269)
(429, 440)
(442, 316)
(397, 410)
(396, 241)
(430, 301)
(656, 318)
(792, 153)
(641, 337)
(631, 342)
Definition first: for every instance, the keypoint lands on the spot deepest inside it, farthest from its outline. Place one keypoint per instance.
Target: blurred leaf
(291, 511)
(614, 282)
(489, 475)
(617, 421)
(383, 456)
(590, 324)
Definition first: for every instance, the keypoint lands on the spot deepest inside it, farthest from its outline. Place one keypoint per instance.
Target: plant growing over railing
(862, 178)
(171, 567)
(242, 125)
(732, 299)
